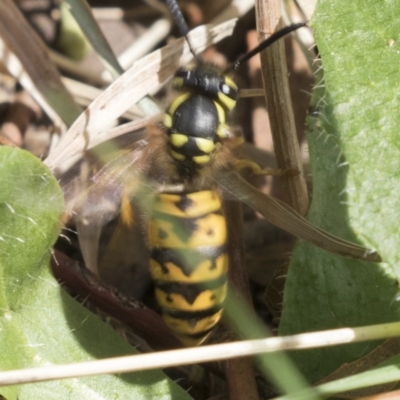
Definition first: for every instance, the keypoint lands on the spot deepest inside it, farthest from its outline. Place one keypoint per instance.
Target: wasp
(192, 156)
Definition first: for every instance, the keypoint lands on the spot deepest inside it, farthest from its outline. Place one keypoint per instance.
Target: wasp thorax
(196, 119)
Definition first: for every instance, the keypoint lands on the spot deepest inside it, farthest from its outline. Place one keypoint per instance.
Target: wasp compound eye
(232, 93)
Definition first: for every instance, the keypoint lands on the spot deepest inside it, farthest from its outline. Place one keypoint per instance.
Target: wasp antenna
(266, 43)
(181, 23)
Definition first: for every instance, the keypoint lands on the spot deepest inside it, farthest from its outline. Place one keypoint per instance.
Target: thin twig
(239, 372)
(225, 351)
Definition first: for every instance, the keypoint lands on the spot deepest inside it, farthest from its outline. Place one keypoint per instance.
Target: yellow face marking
(178, 139)
(201, 159)
(206, 299)
(220, 111)
(201, 273)
(177, 102)
(176, 155)
(205, 145)
(167, 121)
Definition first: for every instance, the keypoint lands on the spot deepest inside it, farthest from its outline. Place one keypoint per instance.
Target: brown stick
(240, 378)
(142, 320)
(239, 371)
(275, 78)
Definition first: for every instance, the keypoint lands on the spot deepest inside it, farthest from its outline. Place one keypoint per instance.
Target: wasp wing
(124, 174)
(283, 216)
(100, 179)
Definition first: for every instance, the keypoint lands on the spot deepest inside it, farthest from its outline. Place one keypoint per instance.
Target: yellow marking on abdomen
(184, 328)
(209, 231)
(203, 202)
(205, 300)
(203, 272)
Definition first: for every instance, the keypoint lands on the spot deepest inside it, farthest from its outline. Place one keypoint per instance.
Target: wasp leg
(127, 215)
(257, 170)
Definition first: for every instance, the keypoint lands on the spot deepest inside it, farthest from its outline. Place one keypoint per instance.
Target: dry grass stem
(279, 105)
(201, 354)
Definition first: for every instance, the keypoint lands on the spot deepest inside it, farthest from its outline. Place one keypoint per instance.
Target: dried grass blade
(27, 59)
(279, 105)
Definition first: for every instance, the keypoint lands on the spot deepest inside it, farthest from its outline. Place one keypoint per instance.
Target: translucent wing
(82, 194)
(125, 173)
(283, 216)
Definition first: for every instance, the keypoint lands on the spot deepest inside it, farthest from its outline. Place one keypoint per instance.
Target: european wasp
(180, 170)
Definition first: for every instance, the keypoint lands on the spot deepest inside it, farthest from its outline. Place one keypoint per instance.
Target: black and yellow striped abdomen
(187, 235)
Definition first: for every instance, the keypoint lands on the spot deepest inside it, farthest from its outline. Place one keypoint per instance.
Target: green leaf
(71, 40)
(39, 323)
(355, 156)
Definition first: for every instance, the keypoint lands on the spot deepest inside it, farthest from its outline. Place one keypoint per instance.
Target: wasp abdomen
(189, 262)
